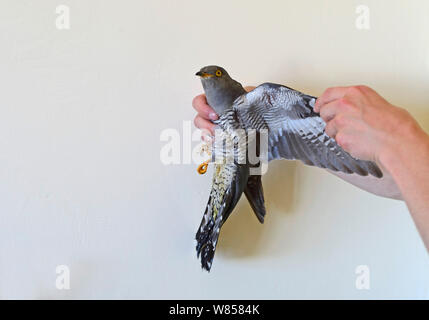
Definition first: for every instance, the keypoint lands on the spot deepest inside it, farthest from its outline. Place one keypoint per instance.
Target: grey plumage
(295, 131)
(229, 178)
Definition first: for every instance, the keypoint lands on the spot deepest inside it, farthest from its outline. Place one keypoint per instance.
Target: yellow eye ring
(218, 73)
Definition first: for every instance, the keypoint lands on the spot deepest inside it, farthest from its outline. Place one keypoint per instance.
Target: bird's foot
(202, 168)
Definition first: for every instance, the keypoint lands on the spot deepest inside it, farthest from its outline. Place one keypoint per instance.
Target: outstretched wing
(295, 131)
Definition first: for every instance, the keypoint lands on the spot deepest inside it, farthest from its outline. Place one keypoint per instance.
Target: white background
(82, 184)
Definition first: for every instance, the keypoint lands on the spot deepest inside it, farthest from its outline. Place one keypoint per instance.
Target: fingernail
(213, 116)
(316, 104)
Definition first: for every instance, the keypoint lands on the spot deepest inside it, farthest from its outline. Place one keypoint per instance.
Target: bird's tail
(229, 182)
(206, 247)
(255, 195)
(207, 237)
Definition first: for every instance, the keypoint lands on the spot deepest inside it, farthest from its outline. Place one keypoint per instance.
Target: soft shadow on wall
(242, 236)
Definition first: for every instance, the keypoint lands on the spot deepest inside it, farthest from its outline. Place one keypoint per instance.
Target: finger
(331, 129)
(249, 88)
(330, 110)
(206, 135)
(329, 95)
(204, 124)
(204, 110)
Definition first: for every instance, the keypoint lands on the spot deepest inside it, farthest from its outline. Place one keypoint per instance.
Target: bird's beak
(203, 74)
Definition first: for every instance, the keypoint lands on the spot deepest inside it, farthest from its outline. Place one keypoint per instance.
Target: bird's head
(220, 89)
(214, 75)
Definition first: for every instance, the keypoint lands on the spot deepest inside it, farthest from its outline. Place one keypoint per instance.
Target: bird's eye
(218, 73)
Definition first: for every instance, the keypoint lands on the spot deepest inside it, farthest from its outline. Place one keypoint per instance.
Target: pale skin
(370, 128)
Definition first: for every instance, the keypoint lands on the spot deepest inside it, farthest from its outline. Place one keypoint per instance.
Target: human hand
(363, 123)
(205, 114)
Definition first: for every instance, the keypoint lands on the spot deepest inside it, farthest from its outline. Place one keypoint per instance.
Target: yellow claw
(202, 168)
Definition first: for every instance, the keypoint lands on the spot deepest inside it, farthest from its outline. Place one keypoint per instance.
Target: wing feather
(295, 131)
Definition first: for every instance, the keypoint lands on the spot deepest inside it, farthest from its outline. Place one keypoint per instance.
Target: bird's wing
(295, 131)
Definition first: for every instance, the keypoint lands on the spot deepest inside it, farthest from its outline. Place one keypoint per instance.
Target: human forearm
(370, 128)
(408, 163)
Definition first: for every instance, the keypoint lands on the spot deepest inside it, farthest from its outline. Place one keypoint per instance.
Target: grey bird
(295, 131)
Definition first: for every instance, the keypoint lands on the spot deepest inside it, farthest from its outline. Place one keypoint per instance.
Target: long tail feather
(255, 195)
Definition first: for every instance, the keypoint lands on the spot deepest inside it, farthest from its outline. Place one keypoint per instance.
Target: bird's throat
(221, 98)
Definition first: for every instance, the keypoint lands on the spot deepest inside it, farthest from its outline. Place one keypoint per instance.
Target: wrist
(403, 149)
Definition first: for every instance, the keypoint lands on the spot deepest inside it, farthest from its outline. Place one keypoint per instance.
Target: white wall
(81, 182)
